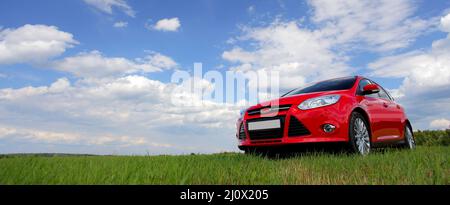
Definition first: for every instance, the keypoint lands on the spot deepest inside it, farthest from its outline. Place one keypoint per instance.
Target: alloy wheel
(409, 138)
(362, 137)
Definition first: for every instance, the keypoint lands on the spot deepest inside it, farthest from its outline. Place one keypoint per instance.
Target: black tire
(409, 141)
(359, 134)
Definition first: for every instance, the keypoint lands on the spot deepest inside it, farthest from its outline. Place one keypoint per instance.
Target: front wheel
(359, 134)
(410, 142)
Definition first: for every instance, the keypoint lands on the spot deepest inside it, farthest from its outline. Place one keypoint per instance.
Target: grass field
(425, 165)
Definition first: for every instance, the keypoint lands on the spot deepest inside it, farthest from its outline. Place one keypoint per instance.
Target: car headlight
(319, 102)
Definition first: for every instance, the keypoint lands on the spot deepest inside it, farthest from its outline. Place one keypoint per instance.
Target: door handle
(385, 105)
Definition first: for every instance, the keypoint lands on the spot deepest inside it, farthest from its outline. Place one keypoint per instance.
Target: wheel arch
(408, 123)
(366, 117)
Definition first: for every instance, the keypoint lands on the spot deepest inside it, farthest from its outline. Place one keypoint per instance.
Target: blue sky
(55, 99)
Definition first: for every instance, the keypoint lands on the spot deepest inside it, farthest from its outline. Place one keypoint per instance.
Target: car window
(383, 94)
(328, 85)
(361, 85)
(390, 96)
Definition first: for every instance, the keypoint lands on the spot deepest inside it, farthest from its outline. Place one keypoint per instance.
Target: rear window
(327, 85)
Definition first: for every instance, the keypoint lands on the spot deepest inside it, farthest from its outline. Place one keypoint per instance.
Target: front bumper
(313, 120)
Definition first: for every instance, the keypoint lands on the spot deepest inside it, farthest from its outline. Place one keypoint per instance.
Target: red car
(354, 110)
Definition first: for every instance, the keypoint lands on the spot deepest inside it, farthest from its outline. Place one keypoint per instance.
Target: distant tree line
(432, 137)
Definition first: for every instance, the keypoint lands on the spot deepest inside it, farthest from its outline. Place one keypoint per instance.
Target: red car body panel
(386, 119)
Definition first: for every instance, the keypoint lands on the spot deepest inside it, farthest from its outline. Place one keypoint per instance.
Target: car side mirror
(370, 89)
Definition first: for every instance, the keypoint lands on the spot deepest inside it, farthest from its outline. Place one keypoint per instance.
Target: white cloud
(238, 55)
(425, 77)
(160, 61)
(422, 70)
(286, 47)
(59, 86)
(95, 64)
(103, 111)
(107, 6)
(440, 124)
(33, 44)
(380, 25)
(445, 23)
(120, 24)
(166, 24)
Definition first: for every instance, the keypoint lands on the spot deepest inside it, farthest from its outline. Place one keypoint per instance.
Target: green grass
(425, 165)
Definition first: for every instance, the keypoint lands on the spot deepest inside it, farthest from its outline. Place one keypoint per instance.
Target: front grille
(272, 109)
(296, 128)
(267, 133)
(242, 132)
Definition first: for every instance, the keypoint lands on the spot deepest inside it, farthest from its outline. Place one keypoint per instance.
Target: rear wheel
(359, 134)
(410, 142)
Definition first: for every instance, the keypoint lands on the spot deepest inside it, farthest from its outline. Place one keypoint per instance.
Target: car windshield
(327, 85)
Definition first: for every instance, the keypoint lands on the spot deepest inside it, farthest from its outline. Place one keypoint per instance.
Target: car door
(392, 116)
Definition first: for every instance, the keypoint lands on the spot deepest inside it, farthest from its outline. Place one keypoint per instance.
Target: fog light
(328, 128)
